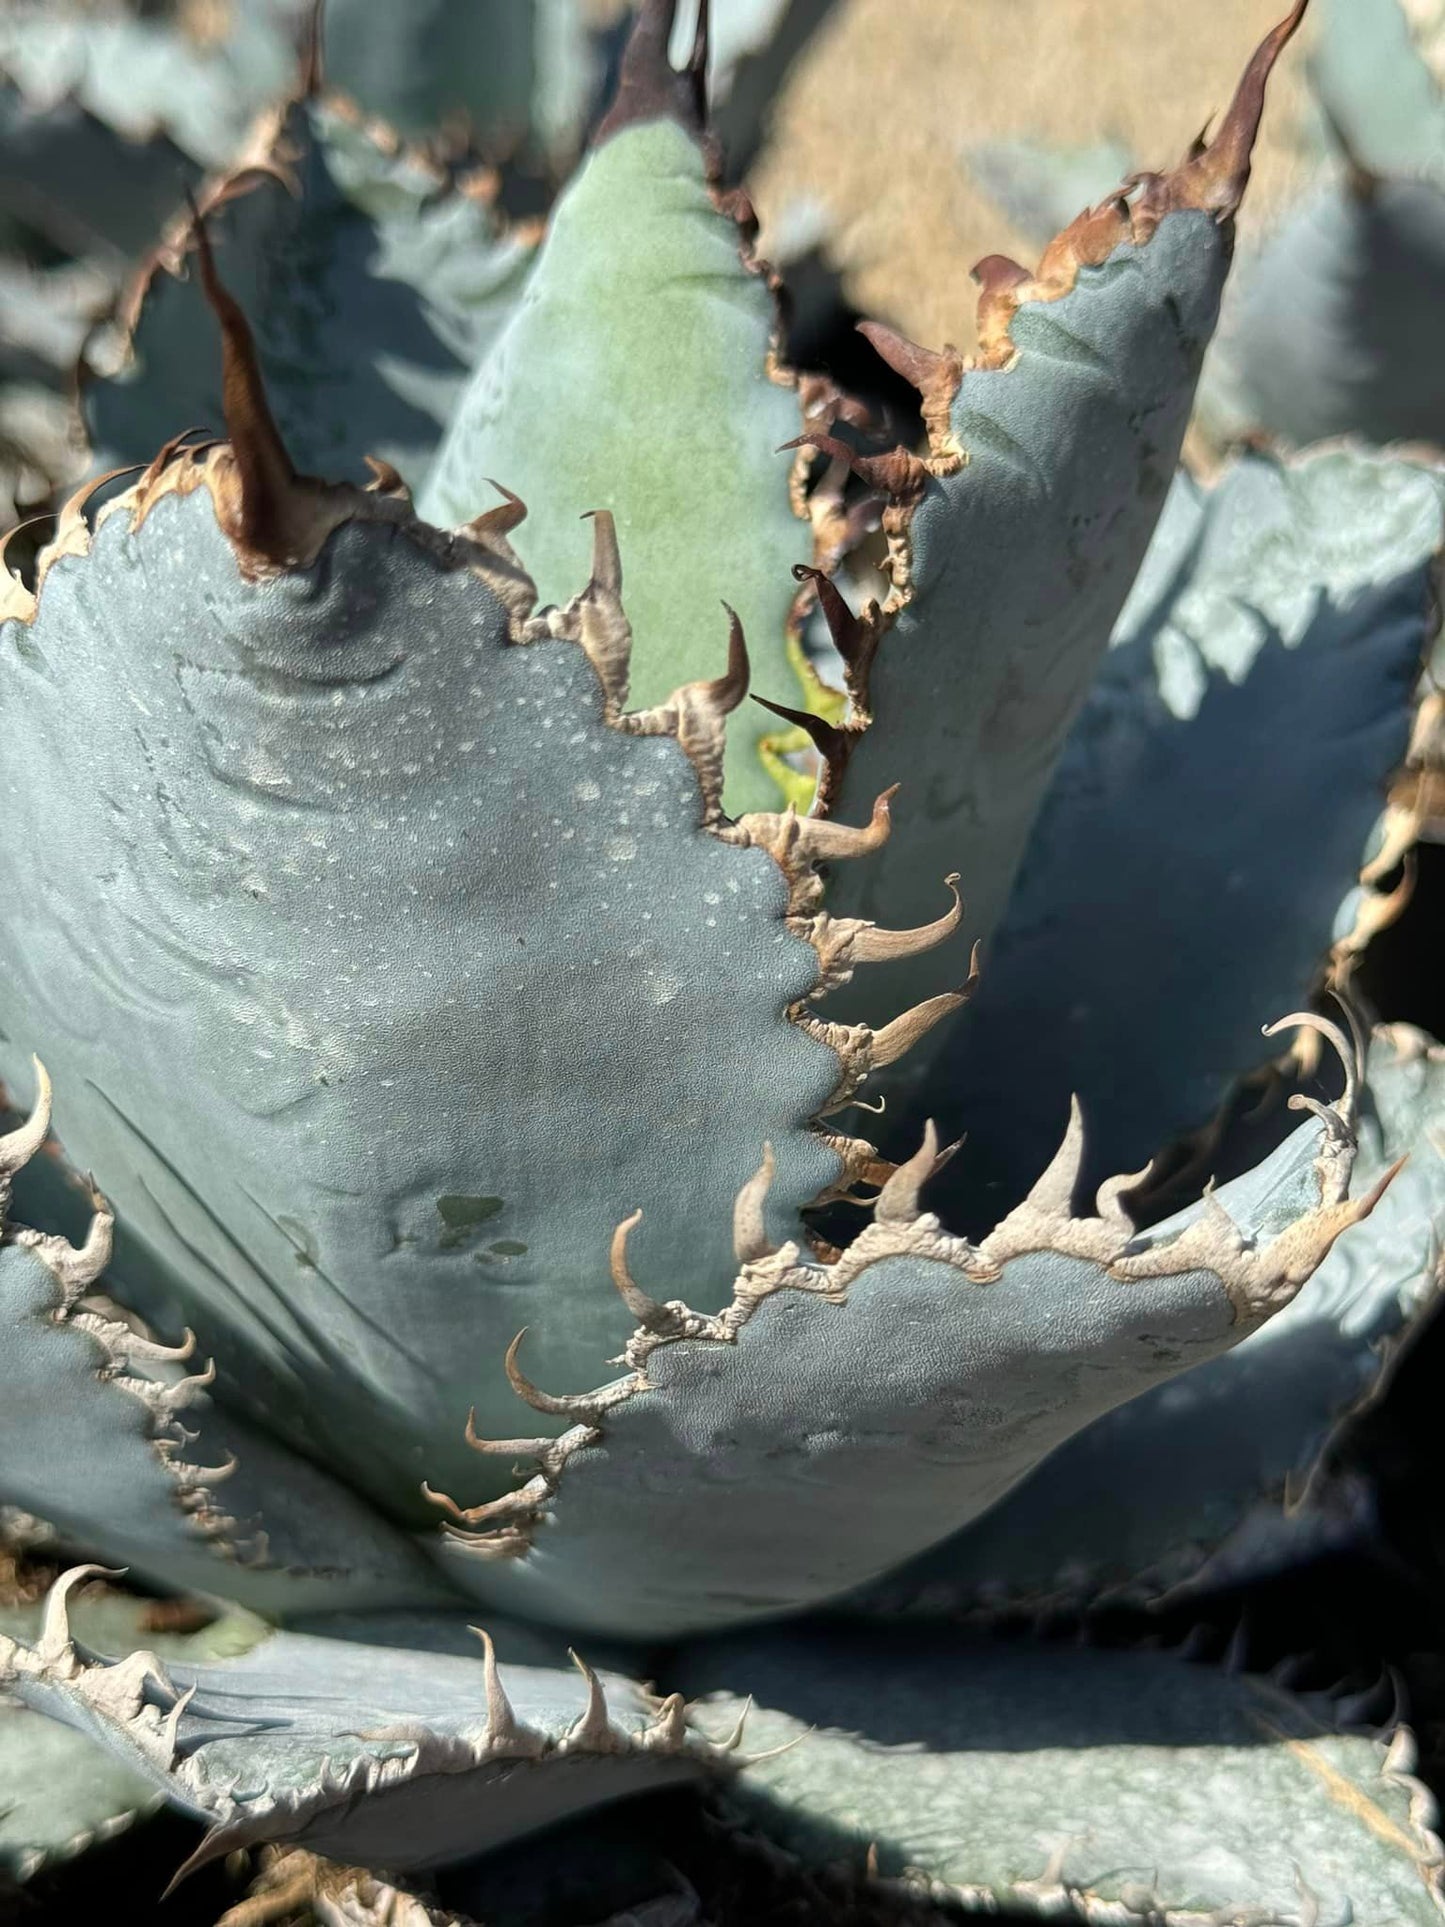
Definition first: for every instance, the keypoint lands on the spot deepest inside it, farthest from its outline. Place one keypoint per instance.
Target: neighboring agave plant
(1347, 291)
(395, 916)
(1330, 326)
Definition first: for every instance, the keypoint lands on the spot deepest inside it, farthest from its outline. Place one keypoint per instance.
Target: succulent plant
(1354, 275)
(1329, 329)
(426, 942)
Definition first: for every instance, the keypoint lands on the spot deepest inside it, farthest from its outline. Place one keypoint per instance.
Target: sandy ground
(875, 117)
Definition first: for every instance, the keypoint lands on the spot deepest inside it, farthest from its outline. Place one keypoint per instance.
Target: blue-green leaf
(1041, 187)
(637, 377)
(468, 960)
(376, 1746)
(1332, 332)
(1015, 545)
(1094, 1785)
(373, 287)
(1381, 99)
(836, 1417)
(510, 68)
(82, 186)
(60, 1794)
(141, 78)
(1202, 842)
(1235, 1469)
(117, 1443)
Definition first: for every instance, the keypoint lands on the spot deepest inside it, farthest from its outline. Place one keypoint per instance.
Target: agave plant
(427, 942)
(1329, 326)
(1355, 271)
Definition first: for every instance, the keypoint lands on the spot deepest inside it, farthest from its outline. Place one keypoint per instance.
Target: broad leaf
(1203, 839)
(372, 284)
(469, 962)
(372, 1752)
(60, 1794)
(838, 1417)
(637, 377)
(117, 1443)
(1016, 543)
(1111, 1786)
(1236, 1469)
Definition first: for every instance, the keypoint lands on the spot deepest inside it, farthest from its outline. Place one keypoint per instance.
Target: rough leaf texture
(1019, 564)
(435, 925)
(1230, 1471)
(1104, 1786)
(370, 1752)
(60, 1794)
(837, 1416)
(116, 1442)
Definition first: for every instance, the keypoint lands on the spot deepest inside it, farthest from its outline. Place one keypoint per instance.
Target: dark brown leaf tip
(1213, 177)
(935, 373)
(898, 473)
(854, 637)
(649, 87)
(729, 689)
(1210, 179)
(386, 479)
(834, 745)
(265, 470)
(311, 67)
(274, 517)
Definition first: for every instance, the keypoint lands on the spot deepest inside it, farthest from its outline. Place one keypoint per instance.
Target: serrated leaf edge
(1257, 1279)
(136, 1699)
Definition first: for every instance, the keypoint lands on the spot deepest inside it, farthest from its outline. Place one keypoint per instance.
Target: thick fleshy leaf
(1333, 330)
(371, 1752)
(1016, 542)
(115, 1441)
(1234, 1470)
(1103, 1786)
(60, 1794)
(373, 287)
(1203, 840)
(469, 962)
(637, 377)
(838, 1416)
